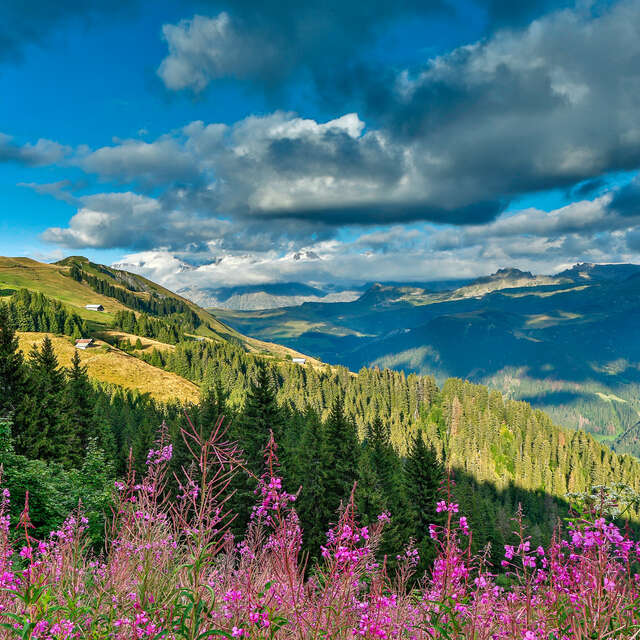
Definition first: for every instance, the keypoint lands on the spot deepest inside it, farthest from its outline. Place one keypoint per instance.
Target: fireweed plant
(172, 570)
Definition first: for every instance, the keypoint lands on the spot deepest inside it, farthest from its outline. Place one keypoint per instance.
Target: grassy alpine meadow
(170, 568)
(113, 366)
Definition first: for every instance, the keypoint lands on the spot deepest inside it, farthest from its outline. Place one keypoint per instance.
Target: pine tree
(143, 440)
(251, 429)
(261, 415)
(380, 453)
(43, 434)
(76, 272)
(311, 472)
(423, 478)
(380, 488)
(213, 406)
(342, 454)
(156, 358)
(79, 401)
(12, 369)
(101, 426)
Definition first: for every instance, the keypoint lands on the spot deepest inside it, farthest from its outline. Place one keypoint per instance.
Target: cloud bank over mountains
(421, 179)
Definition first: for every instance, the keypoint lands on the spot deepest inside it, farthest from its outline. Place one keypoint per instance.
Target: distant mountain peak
(507, 273)
(593, 271)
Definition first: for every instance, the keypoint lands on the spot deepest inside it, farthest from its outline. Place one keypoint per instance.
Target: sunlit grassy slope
(54, 281)
(113, 366)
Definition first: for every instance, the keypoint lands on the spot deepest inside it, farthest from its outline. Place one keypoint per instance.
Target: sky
(210, 144)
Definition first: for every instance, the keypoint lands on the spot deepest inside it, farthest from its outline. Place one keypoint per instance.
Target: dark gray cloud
(555, 104)
(272, 42)
(592, 222)
(551, 105)
(626, 200)
(632, 239)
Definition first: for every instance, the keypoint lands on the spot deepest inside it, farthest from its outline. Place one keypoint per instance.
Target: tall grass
(171, 569)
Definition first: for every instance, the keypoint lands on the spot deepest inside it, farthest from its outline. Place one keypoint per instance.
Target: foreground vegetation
(172, 543)
(172, 569)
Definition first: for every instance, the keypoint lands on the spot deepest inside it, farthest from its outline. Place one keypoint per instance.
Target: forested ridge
(393, 435)
(493, 438)
(32, 311)
(151, 303)
(170, 329)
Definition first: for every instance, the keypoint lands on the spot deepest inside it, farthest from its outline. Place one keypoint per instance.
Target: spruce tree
(423, 479)
(101, 426)
(43, 434)
(79, 401)
(312, 468)
(76, 272)
(342, 453)
(261, 414)
(12, 369)
(380, 488)
(213, 406)
(374, 471)
(251, 429)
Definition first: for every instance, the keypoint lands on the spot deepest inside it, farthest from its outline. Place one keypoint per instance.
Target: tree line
(170, 330)
(32, 311)
(154, 304)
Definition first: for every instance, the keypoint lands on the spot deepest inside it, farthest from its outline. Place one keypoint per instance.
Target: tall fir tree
(310, 474)
(261, 414)
(342, 453)
(251, 428)
(12, 369)
(213, 406)
(79, 406)
(424, 475)
(43, 433)
(380, 488)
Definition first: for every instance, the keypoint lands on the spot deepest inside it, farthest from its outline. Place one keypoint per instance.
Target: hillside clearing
(116, 367)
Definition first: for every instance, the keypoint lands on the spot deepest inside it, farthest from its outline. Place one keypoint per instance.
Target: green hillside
(76, 282)
(116, 367)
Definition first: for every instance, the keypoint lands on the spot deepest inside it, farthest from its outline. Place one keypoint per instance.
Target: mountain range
(202, 283)
(266, 296)
(568, 342)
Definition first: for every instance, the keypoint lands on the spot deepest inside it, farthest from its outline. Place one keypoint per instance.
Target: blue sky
(320, 142)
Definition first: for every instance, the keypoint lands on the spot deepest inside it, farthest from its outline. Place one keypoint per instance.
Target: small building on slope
(84, 343)
(94, 307)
